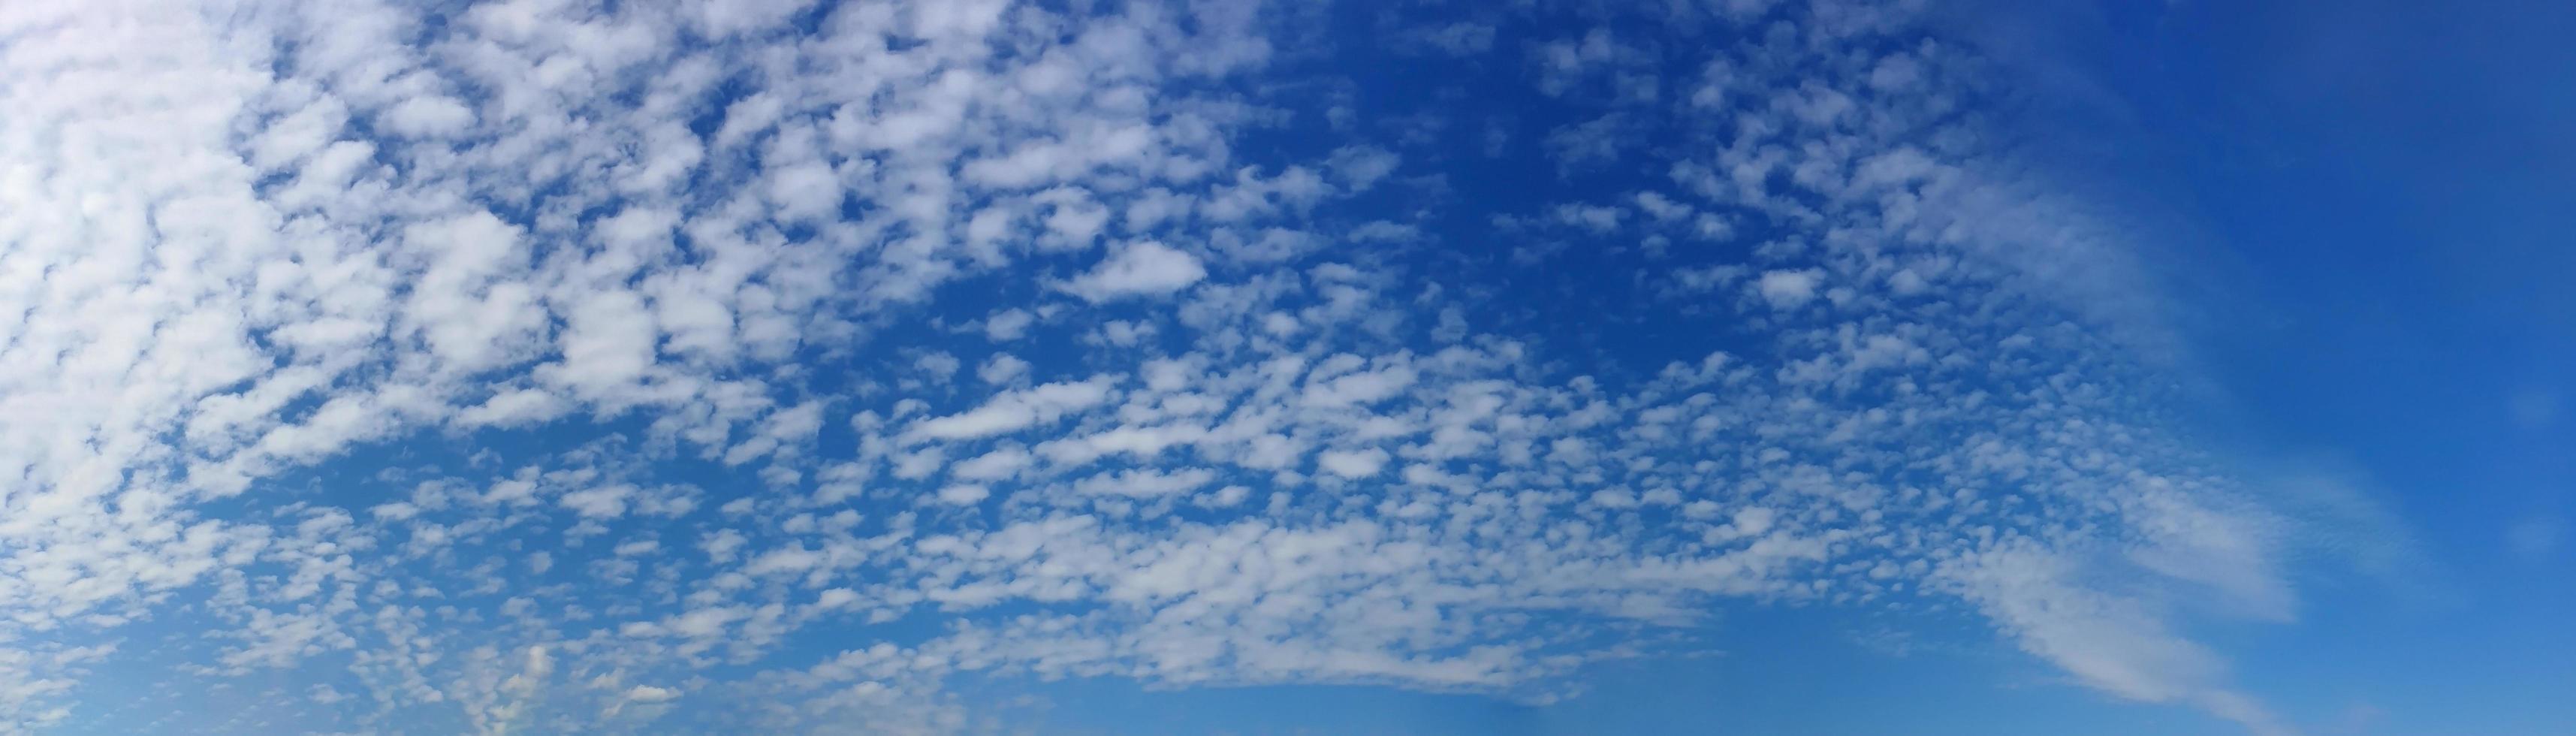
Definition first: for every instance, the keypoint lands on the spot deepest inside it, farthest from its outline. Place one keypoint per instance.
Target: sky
(1253, 367)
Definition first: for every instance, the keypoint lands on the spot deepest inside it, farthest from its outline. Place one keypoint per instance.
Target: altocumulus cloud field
(796, 366)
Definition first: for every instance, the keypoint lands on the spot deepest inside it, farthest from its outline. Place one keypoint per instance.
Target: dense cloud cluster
(514, 365)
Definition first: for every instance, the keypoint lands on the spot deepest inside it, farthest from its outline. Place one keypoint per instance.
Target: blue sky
(1755, 366)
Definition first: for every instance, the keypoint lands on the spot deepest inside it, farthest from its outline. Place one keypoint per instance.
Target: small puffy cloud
(1352, 463)
(805, 192)
(1012, 411)
(1008, 324)
(512, 409)
(1143, 268)
(964, 494)
(938, 365)
(720, 18)
(1753, 521)
(1226, 497)
(608, 347)
(433, 116)
(792, 560)
(1787, 289)
(723, 544)
(605, 502)
(1145, 482)
(1361, 167)
(1002, 368)
(1001, 463)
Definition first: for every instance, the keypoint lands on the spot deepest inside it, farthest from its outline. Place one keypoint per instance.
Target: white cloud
(996, 465)
(1361, 167)
(1787, 289)
(429, 117)
(1352, 463)
(1002, 368)
(963, 494)
(650, 694)
(365, 238)
(1008, 324)
(939, 366)
(1144, 268)
(606, 502)
(1145, 483)
(2108, 641)
(607, 347)
(512, 409)
(1012, 411)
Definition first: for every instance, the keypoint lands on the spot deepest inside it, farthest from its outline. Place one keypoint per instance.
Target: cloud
(963, 494)
(1002, 368)
(429, 117)
(1146, 483)
(1012, 411)
(512, 409)
(1352, 464)
(2109, 641)
(1145, 268)
(503, 358)
(1787, 289)
(1008, 324)
(599, 503)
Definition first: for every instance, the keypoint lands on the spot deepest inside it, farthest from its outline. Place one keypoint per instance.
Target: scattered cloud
(1787, 289)
(1145, 268)
(500, 358)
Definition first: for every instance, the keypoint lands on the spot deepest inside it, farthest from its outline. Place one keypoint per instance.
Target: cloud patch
(1144, 268)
